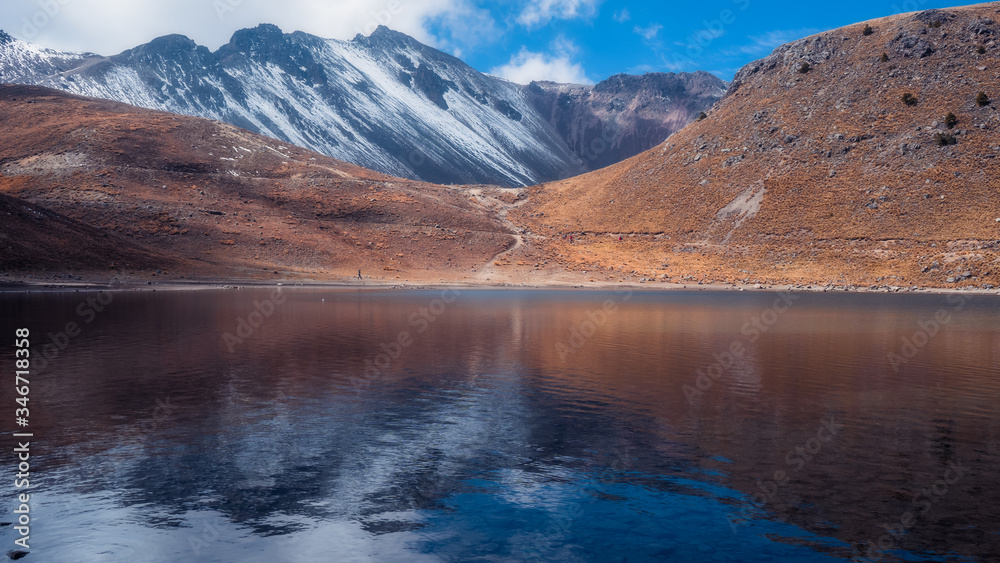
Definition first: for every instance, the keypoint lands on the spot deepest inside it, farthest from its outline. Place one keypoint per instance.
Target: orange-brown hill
(814, 174)
(123, 191)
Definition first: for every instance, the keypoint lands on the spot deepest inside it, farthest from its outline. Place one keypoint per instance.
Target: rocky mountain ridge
(385, 102)
(624, 115)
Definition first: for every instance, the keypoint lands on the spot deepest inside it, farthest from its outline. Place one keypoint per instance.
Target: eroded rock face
(912, 44)
(624, 115)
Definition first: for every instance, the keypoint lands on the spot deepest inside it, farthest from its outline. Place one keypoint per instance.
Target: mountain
(385, 102)
(99, 187)
(624, 115)
(864, 155)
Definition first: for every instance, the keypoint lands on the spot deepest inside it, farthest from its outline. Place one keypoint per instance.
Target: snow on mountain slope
(22, 61)
(385, 102)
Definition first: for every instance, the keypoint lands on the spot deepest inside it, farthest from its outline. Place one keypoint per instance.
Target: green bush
(885, 58)
(702, 116)
(868, 30)
(982, 99)
(805, 68)
(944, 139)
(909, 99)
(950, 120)
(981, 49)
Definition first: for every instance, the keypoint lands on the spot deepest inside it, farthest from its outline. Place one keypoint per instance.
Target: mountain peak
(173, 43)
(264, 42)
(263, 34)
(4, 38)
(171, 47)
(664, 84)
(383, 31)
(383, 35)
(263, 30)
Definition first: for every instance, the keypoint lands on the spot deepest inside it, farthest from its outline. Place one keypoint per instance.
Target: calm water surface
(347, 425)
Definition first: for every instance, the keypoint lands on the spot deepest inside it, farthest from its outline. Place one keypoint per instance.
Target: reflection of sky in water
(481, 444)
(446, 475)
(393, 509)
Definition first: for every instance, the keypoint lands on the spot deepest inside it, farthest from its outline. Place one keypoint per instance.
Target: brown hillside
(35, 238)
(818, 176)
(218, 200)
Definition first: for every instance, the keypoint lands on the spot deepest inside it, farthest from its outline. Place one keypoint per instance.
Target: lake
(301, 424)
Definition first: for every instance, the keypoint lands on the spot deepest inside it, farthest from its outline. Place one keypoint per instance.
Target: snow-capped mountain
(385, 102)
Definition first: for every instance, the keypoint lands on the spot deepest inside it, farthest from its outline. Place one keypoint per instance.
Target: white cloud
(649, 32)
(111, 26)
(527, 66)
(562, 46)
(540, 12)
(622, 16)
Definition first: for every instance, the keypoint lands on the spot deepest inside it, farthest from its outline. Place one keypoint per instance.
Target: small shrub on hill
(982, 99)
(909, 99)
(868, 30)
(950, 120)
(945, 139)
(804, 68)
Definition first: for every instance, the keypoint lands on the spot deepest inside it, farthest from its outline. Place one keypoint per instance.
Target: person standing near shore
(359, 274)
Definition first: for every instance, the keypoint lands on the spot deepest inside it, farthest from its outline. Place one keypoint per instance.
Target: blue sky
(522, 40)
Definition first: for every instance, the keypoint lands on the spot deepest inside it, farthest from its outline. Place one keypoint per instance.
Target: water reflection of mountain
(147, 402)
